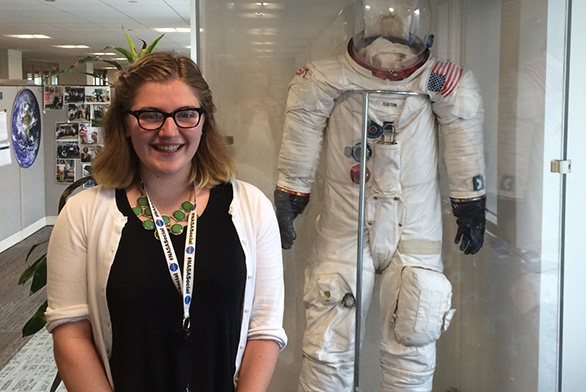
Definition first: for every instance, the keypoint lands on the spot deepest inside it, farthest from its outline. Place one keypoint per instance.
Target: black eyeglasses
(153, 120)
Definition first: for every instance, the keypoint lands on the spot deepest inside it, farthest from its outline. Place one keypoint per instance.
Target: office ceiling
(97, 23)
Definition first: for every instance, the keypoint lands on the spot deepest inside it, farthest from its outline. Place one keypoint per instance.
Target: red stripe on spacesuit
(291, 192)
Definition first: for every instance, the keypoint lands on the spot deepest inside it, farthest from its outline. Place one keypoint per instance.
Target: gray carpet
(32, 369)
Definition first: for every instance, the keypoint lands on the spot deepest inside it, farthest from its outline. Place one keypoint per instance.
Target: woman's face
(169, 150)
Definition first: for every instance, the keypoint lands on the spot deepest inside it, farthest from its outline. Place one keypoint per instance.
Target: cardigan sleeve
(266, 319)
(67, 268)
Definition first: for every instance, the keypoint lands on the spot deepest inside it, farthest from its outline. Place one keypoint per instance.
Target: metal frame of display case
(360, 244)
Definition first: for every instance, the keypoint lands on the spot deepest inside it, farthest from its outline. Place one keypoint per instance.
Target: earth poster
(26, 128)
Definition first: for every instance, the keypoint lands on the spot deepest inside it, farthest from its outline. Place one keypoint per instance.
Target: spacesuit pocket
(386, 177)
(332, 288)
(423, 305)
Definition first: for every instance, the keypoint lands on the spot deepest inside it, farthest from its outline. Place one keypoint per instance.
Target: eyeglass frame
(166, 115)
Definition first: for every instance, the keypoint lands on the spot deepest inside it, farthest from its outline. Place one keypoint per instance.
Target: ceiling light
(262, 31)
(27, 36)
(173, 29)
(71, 46)
(103, 54)
(165, 29)
(258, 14)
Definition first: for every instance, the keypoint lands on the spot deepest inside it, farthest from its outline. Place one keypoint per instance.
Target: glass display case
(505, 333)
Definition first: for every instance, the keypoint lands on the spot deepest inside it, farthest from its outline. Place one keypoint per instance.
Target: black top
(149, 349)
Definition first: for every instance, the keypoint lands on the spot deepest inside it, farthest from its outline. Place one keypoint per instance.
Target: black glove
(288, 206)
(471, 220)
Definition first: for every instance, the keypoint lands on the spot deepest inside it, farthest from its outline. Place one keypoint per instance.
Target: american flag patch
(444, 78)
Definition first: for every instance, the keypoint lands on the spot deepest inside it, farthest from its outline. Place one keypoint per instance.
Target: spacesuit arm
(460, 116)
(309, 103)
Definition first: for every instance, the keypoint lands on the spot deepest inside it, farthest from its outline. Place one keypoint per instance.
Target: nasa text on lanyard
(185, 285)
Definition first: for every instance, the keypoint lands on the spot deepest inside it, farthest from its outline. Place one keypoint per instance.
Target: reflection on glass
(504, 334)
(508, 298)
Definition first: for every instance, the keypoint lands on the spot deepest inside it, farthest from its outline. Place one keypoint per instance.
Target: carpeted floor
(32, 369)
(26, 364)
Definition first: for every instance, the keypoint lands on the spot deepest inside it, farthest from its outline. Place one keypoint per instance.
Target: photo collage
(79, 139)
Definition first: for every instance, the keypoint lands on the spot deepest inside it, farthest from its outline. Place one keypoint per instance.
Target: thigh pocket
(422, 310)
(333, 289)
(329, 319)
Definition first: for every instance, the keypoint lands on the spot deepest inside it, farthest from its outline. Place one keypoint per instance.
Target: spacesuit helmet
(392, 34)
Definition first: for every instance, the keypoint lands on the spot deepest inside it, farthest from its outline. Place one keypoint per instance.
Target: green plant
(131, 55)
(37, 272)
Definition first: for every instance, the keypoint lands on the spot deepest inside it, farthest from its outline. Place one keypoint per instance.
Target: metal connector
(561, 166)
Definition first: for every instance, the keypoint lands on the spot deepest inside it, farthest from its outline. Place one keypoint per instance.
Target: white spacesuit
(403, 223)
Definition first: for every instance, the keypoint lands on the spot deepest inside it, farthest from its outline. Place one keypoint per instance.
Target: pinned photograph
(65, 131)
(83, 132)
(86, 170)
(98, 112)
(74, 94)
(88, 153)
(68, 150)
(92, 135)
(78, 112)
(65, 170)
(53, 97)
(99, 94)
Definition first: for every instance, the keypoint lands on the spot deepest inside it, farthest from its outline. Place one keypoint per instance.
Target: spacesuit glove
(288, 206)
(471, 219)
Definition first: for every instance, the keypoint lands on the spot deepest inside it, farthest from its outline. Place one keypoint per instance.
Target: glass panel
(250, 52)
(504, 335)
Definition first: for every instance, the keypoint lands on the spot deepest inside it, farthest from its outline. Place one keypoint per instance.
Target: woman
(126, 309)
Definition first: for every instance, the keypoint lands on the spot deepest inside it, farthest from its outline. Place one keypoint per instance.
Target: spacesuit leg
(415, 300)
(329, 339)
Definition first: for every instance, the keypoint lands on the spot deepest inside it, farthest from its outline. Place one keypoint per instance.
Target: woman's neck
(166, 193)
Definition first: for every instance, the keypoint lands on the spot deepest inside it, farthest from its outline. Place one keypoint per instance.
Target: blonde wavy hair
(117, 165)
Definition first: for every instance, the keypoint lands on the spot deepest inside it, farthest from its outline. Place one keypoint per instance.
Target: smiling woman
(122, 302)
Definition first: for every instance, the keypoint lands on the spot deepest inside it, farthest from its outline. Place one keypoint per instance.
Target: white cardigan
(84, 242)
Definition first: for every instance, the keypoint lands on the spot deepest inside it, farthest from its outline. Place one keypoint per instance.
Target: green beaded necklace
(179, 216)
